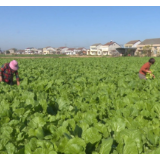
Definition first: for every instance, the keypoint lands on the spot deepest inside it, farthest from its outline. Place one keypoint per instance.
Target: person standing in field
(7, 71)
(146, 69)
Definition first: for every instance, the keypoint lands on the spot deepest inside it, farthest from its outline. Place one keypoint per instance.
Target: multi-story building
(94, 49)
(28, 50)
(40, 50)
(153, 46)
(12, 50)
(109, 48)
(50, 50)
(20, 52)
(71, 51)
(106, 49)
(61, 50)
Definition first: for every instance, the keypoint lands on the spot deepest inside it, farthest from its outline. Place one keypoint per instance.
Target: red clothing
(7, 73)
(145, 68)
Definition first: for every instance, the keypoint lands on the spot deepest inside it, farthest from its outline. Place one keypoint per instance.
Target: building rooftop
(150, 41)
(133, 42)
(96, 44)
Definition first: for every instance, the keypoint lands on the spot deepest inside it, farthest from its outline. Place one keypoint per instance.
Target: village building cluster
(133, 47)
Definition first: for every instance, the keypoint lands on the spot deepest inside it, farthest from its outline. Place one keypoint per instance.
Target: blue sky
(76, 26)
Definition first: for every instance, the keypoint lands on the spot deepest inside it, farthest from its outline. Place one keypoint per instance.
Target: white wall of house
(39, 51)
(11, 50)
(99, 52)
(104, 49)
(95, 50)
(113, 47)
(20, 52)
(71, 52)
(34, 50)
(99, 47)
(30, 50)
(27, 50)
(45, 51)
(51, 49)
(88, 51)
(64, 50)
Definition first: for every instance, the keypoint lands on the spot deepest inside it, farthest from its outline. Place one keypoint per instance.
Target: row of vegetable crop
(80, 106)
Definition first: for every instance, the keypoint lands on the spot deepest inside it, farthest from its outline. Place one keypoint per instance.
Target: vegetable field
(81, 106)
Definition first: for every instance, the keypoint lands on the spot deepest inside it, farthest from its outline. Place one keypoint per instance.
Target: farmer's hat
(14, 65)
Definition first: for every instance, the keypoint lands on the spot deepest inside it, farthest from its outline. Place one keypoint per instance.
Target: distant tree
(15, 50)
(8, 52)
(147, 50)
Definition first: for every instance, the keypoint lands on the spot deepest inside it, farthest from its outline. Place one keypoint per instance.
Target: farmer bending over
(7, 70)
(146, 69)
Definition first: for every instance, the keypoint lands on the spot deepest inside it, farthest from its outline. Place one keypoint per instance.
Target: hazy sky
(76, 26)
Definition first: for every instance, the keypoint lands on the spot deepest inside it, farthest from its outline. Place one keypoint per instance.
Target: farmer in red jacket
(7, 70)
(146, 69)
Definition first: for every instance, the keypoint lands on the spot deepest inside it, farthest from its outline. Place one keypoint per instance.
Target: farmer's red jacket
(145, 68)
(7, 73)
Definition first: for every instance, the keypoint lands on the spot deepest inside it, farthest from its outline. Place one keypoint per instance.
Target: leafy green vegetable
(80, 106)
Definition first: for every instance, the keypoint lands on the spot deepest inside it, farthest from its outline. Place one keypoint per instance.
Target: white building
(28, 50)
(109, 48)
(71, 51)
(51, 50)
(106, 49)
(94, 49)
(40, 50)
(62, 50)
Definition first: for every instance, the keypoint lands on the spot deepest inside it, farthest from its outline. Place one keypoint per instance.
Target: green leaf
(78, 131)
(44, 105)
(130, 147)
(37, 122)
(10, 148)
(118, 124)
(75, 146)
(106, 146)
(62, 144)
(94, 152)
(153, 139)
(91, 135)
(30, 146)
(39, 133)
(156, 151)
(61, 103)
